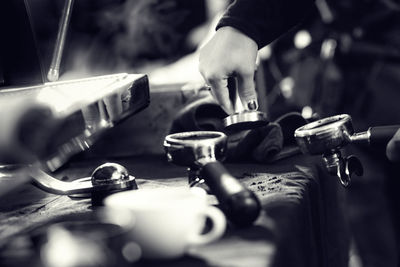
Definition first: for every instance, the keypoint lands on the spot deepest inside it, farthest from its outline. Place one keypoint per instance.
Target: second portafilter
(327, 136)
(201, 152)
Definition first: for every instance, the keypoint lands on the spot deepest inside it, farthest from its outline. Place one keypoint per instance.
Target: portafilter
(327, 136)
(202, 151)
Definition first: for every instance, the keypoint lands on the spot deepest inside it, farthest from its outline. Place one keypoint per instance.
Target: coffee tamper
(327, 136)
(202, 151)
(243, 118)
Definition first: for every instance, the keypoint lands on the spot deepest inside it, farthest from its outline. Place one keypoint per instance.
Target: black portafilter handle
(381, 135)
(378, 136)
(240, 205)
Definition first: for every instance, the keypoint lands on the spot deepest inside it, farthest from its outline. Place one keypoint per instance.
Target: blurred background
(343, 58)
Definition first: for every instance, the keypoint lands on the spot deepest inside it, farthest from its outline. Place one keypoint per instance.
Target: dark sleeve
(265, 20)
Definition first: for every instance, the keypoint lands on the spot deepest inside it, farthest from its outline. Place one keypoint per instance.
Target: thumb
(393, 148)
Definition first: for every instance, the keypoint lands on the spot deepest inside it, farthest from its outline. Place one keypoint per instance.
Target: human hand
(230, 53)
(393, 147)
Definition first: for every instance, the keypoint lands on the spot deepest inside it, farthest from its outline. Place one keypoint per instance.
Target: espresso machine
(45, 121)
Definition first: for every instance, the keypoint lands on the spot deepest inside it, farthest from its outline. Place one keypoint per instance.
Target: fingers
(230, 53)
(247, 91)
(217, 77)
(219, 88)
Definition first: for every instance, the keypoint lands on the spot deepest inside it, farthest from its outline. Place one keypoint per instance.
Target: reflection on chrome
(81, 110)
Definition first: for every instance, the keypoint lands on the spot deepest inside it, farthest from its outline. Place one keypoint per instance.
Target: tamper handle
(381, 135)
(233, 92)
(240, 205)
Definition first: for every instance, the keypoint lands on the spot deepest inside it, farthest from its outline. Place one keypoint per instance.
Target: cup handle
(217, 230)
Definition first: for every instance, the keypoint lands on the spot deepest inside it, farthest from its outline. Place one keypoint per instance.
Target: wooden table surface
(301, 224)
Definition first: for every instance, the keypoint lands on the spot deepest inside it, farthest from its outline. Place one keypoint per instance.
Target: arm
(246, 26)
(265, 20)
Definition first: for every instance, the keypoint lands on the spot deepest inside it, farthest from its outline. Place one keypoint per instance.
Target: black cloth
(265, 20)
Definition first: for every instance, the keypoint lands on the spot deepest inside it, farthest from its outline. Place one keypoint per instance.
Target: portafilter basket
(202, 151)
(327, 136)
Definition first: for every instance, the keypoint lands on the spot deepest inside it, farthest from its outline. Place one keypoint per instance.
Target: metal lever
(52, 185)
(54, 70)
(106, 179)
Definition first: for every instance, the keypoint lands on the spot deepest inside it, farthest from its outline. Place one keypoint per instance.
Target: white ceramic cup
(169, 220)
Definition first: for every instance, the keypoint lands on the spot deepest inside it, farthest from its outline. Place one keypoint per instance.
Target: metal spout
(343, 168)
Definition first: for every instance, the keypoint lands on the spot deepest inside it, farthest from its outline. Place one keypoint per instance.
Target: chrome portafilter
(327, 136)
(106, 179)
(202, 151)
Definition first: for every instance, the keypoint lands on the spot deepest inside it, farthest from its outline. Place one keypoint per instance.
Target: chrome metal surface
(109, 173)
(361, 138)
(245, 120)
(107, 177)
(54, 70)
(325, 135)
(343, 168)
(335, 165)
(52, 185)
(85, 109)
(195, 148)
(200, 152)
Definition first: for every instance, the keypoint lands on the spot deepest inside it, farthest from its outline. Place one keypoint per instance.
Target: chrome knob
(109, 173)
(110, 178)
